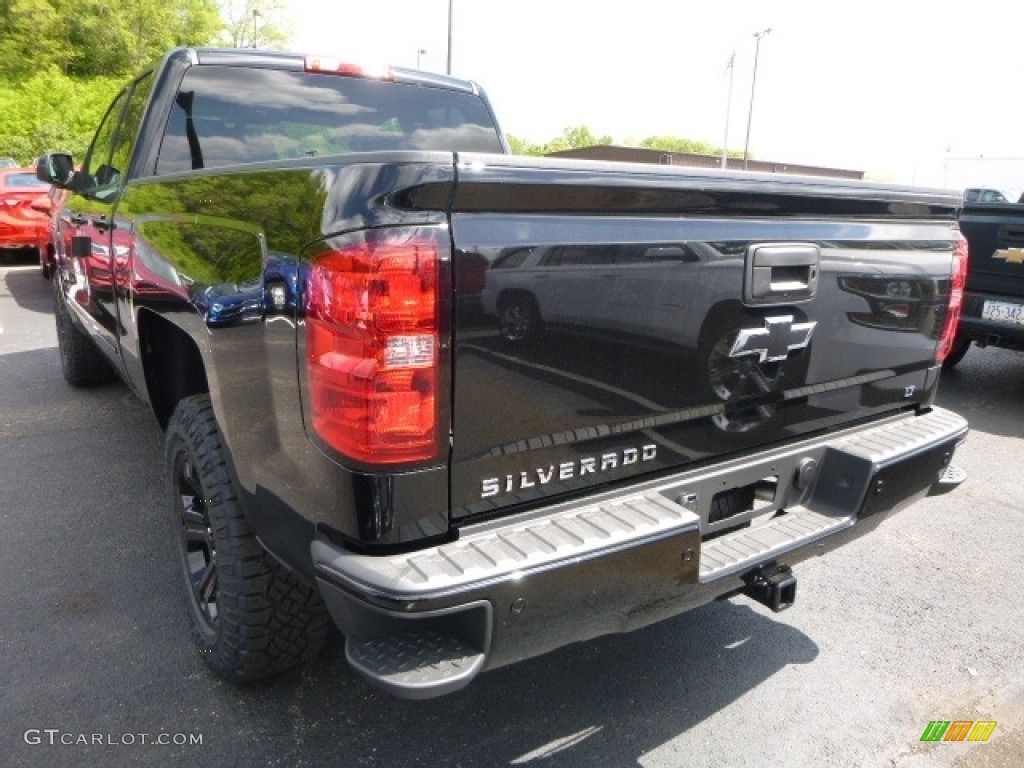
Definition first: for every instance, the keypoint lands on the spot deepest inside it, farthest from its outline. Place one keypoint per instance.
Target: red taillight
(957, 284)
(372, 346)
(333, 66)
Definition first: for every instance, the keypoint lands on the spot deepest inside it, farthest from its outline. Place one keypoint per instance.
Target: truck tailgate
(995, 232)
(617, 321)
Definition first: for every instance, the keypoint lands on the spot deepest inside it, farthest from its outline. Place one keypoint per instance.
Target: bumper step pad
(415, 660)
(739, 551)
(950, 480)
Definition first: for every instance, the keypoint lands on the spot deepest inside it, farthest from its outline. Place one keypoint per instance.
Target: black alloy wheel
(519, 319)
(198, 547)
(733, 378)
(254, 617)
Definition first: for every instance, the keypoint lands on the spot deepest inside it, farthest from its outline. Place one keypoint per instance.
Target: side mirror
(56, 168)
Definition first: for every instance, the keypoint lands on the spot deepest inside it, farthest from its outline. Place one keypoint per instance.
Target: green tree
(573, 137)
(99, 37)
(254, 24)
(689, 146)
(49, 111)
(28, 36)
(63, 61)
(112, 37)
(518, 146)
(580, 136)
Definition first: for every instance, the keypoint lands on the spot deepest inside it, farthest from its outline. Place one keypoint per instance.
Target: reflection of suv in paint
(597, 287)
(981, 195)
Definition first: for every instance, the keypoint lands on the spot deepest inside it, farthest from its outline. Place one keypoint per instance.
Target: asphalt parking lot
(920, 621)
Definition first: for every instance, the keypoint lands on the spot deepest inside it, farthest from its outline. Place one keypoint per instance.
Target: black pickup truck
(474, 407)
(993, 306)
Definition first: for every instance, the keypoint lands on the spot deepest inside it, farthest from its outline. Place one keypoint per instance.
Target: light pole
(731, 66)
(448, 69)
(753, 85)
(419, 52)
(255, 15)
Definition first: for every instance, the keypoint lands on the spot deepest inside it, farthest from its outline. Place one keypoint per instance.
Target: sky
(897, 89)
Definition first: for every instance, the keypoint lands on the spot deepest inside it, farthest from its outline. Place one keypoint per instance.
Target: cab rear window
(228, 116)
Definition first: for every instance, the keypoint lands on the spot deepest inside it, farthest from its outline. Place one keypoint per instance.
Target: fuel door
(781, 273)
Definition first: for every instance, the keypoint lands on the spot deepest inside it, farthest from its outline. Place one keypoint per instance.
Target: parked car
(993, 301)
(48, 250)
(8, 162)
(24, 209)
(979, 195)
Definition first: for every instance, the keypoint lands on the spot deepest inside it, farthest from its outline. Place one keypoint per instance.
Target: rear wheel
(253, 617)
(731, 379)
(45, 260)
(81, 363)
(519, 318)
(956, 354)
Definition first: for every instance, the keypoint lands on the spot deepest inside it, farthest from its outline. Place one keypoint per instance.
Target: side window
(226, 116)
(110, 154)
(124, 140)
(578, 256)
(96, 170)
(512, 258)
(656, 254)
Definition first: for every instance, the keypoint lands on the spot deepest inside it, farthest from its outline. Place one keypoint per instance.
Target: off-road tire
(81, 362)
(253, 617)
(956, 354)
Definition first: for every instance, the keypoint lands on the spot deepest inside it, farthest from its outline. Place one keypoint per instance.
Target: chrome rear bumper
(424, 623)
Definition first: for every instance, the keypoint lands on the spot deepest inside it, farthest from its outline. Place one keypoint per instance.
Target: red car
(24, 212)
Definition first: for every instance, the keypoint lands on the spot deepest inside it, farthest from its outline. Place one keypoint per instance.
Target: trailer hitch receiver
(773, 585)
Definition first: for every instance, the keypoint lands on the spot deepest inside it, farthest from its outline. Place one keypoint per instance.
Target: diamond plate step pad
(416, 659)
(950, 479)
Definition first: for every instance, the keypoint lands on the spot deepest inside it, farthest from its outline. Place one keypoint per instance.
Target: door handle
(779, 272)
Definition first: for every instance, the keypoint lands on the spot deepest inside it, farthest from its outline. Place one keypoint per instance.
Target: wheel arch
(173, 366)
(509, 295)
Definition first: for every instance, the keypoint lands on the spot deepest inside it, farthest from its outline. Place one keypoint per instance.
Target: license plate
(1003, 311)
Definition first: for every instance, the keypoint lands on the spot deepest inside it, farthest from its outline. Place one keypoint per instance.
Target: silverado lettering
(353, 312)
(567, 470)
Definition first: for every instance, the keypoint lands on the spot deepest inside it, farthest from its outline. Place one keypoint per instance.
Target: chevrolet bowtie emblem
(1012, 255)
(775, 341)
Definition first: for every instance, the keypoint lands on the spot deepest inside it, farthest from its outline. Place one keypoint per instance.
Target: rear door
(86, 227)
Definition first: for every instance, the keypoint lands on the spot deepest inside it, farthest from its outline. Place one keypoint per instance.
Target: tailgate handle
(781, 272)
(1011, 236)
